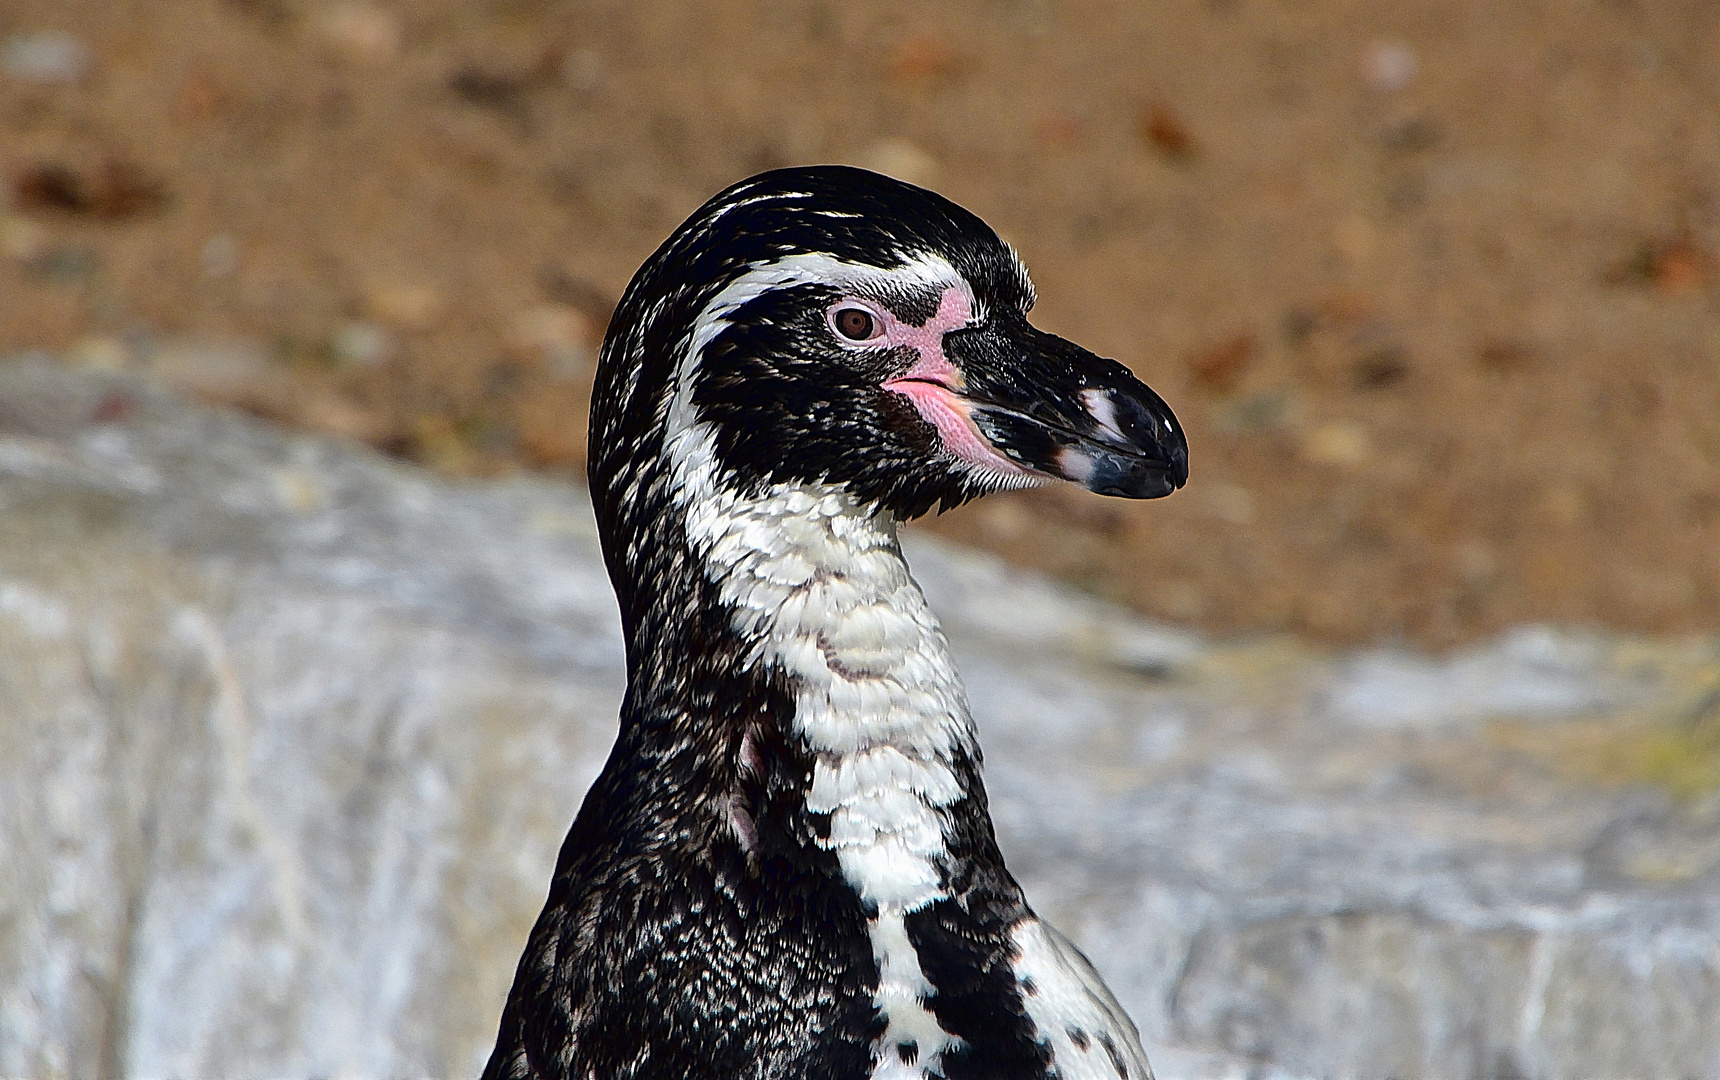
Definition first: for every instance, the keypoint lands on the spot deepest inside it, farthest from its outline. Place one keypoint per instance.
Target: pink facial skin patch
(934, 384)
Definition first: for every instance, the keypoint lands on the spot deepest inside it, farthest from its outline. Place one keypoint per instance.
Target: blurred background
(1433, 286)
(1389, 746)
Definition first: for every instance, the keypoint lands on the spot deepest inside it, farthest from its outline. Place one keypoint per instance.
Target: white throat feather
(819, 590)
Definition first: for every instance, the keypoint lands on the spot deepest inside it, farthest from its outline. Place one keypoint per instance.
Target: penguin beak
(1053, 408)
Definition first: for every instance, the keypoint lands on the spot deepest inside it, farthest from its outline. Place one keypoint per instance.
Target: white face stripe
(926, 270)
(818, 584)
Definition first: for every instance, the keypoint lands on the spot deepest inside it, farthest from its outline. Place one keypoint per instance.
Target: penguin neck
(818, 594)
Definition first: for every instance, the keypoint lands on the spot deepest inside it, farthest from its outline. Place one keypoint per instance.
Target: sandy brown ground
(1432, 285)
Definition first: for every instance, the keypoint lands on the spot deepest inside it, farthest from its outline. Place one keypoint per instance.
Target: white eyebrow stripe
(926, 269)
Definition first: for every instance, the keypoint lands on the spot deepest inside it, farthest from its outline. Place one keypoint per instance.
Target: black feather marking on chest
(965, 952)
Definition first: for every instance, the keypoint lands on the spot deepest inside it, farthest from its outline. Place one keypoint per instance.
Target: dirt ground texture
(1433, 286)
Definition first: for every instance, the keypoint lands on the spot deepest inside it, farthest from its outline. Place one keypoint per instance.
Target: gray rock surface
(289, 736)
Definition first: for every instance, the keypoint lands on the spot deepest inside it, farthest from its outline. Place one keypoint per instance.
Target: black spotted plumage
(698, 924)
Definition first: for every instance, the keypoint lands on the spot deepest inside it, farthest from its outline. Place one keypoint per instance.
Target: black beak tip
(1130, 477)
(1151, 462)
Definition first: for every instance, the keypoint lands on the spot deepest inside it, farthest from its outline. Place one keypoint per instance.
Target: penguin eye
(854, 323)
